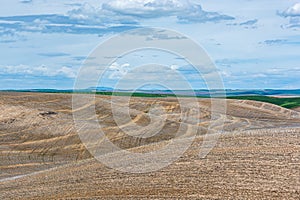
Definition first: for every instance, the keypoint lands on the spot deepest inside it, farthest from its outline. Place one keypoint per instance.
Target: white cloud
(184, 10)
(118, 71)
(174, 67)
(195, 14)
(292, 11)
(8, 36)
(113, 16)
(85, 19)
(146, 8)
(225, 73)
(67, 71)
(96, 15)
(41, 70)
(294, 22)
(130, 77)
(19, 69)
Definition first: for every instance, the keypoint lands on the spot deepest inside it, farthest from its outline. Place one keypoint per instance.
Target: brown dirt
(297, 109)
(42, 157)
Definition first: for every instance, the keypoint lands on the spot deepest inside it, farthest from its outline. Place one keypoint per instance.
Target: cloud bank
(111, 17)
(42, 70)
(293, 13)
(185, 11)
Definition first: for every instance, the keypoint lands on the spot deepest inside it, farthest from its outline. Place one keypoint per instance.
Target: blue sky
(254, 44)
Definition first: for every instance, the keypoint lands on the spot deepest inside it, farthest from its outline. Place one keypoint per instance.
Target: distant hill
(198, 92)
(102, 89)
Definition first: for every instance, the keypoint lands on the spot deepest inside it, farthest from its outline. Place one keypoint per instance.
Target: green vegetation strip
(283, 102)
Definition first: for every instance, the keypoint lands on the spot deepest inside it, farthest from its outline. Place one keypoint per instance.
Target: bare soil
(297, 109)
(42, 157)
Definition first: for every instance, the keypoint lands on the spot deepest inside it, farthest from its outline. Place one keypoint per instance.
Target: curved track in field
(42, 156)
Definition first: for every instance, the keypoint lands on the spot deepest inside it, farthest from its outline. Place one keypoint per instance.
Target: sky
(253, 44)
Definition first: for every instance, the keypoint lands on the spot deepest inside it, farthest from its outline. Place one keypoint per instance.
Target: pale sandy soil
(297, 109)
(287, 96)
(42, 157)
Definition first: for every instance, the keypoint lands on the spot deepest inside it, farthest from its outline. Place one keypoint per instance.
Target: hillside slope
(42, 156)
